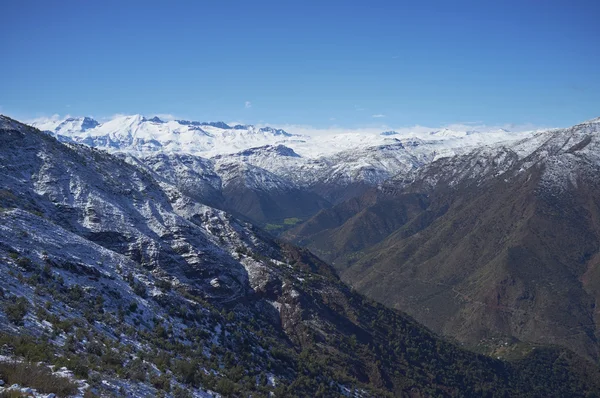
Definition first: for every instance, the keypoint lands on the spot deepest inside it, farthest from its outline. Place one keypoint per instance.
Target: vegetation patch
(285, 225)
(273, 227)
(38, 377)
(16, 310)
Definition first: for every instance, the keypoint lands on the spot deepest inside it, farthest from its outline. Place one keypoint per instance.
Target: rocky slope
(499, 243)
(139, 289)
(249, 192)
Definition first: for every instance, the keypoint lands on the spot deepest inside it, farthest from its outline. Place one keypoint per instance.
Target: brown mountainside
(500, 244)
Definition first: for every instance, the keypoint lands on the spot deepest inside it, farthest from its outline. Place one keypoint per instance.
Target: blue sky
(322, 63)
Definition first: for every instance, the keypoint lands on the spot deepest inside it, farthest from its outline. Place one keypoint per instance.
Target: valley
(159, 257)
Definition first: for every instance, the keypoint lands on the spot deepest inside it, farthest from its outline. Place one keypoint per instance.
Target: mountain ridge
(152, 291)
(505, 244)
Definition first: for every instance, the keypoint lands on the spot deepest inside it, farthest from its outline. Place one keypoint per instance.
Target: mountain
(67, 125)
(138, 134)
(498, 244)
(193, 176)
(263, 197)
(247, 191)
(140, 289)
(334, 167)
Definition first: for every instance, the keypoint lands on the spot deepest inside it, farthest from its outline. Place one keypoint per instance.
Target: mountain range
(157, 257)
(262, 173)
(495, 244)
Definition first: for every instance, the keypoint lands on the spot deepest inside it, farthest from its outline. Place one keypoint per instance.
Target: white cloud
(248, 104)
(304, 129)
(116, 115)
(378, 115)
(480, 126)
(48, 119)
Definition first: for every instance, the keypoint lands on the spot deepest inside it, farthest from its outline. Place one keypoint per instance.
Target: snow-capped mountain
(66, 126)
(500, 241)
(109, 269)
(269, 161)
(561, 155)
(138, 134)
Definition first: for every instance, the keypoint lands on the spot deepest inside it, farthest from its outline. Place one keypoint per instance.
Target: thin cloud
(116, 115)
(378, 115)
(248, 104)
(406, 131)
(46, 119)
(313, 131)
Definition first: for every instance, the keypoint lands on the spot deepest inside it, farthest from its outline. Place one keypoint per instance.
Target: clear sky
(321, 63)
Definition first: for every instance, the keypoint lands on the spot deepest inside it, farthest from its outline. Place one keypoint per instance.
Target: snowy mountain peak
(156, 119)
(138, 134)
(60, 126)
(83, 123)
(241, 127)
(220, 125)
(274, 131)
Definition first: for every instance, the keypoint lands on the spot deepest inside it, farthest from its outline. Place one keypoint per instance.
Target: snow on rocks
(268, 158)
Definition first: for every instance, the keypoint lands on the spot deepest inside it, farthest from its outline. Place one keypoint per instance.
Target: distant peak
(129, 118)
(274, 131)
(136, 116)
(280, 150)
(83, 123)
(88, 123)
(220, 125)
(156, 119)
(387, 133)
(188, 123)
